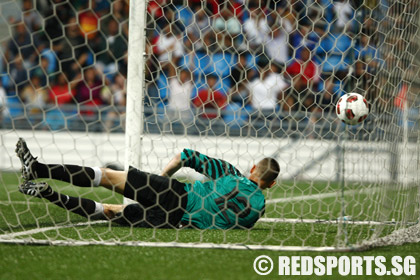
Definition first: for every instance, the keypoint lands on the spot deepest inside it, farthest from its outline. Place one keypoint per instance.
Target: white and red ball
(352, 108)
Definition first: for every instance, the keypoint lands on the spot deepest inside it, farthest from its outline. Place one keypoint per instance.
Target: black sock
(77, 175)
(82, 206)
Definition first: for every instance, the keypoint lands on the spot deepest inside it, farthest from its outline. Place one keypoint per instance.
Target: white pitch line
(39, 230)
(20, 202)
(323, 221)
(180, 245)
(319, 196)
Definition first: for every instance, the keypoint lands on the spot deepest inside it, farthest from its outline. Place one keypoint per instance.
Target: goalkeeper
(227, 200)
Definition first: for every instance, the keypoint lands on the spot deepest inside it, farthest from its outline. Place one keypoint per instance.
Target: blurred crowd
(212, 58)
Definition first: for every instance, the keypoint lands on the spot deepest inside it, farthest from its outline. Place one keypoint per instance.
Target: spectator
(152, 70)
(277, 45)
(180, 91)
(328, 97)
(240, 76)
(119, 10)
(344, 14)
(209, 100)
(210, 45)
(123, 64)
(30, 16)
(320, 31)
(88, 91)
(236, 8)
(368, 62)
(151, 75)
(55, 16)
(368, 53)
(198, 29)
(116, 48)
(304, 73)
(119, 13)
(116, 96)
(88, 22)
(101, 7)
(227, 27)
(285, 17)
(61, 91)
(52, 60)
(18, 73)
(211, 6)
(370, 25)
(256, 29)
(240, 71)
(299, 9)
(164, 13)
(324, 105)
(24, 44)
(72, 50)
(34, 96)
(97, 44)
(154, 9)
(267, 90)
(363, 80)
(169, 45)
(304, 35)
(239, 94)
(119, 91)
(42, 71)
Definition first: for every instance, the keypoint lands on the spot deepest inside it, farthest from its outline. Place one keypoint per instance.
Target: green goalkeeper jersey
(227, 200)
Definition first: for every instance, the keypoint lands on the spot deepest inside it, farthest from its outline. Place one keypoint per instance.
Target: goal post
(135, 86)
(132, 83)
(400, 112)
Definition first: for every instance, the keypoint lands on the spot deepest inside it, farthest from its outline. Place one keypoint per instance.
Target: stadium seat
(15, 106)
(223, 62)
(52, 59)
(162, 86)
(334, 53)
(235, 116)
(55, 119)
(5, 80)
(185, 15)
(204, 63)
(225, 85)
(342, 43)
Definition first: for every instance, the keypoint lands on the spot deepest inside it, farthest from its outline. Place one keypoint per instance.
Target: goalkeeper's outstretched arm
(210, 167)
(173, 166)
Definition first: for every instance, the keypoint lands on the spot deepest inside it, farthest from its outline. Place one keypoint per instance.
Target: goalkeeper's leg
(77, 175)
(81, 206)
(86, 207)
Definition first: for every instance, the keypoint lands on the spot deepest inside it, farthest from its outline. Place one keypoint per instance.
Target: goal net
(103, 83)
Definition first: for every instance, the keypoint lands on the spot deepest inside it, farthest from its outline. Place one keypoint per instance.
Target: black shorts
(161, 201)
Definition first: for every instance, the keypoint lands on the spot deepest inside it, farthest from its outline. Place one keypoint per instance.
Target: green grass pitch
(19, 213)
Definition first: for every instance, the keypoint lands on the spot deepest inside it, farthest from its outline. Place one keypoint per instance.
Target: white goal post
(135, 86)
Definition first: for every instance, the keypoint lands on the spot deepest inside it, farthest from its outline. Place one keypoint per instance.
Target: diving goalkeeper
(228, 200)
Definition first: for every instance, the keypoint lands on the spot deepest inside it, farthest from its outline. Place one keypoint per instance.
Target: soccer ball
(352, 108)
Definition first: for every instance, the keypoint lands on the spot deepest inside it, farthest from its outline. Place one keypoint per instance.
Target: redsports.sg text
(343, 265)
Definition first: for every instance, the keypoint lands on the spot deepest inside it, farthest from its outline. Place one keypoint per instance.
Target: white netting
(236, 80)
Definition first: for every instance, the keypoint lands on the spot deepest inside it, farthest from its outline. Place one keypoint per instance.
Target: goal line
(320, 196)
(8, 237)
(32, 241)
